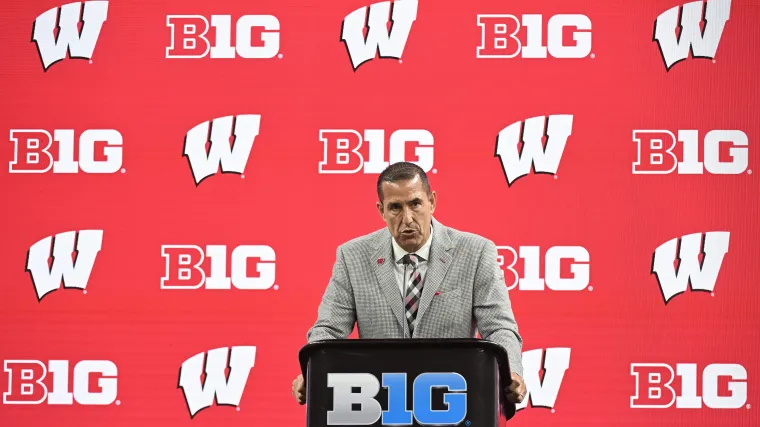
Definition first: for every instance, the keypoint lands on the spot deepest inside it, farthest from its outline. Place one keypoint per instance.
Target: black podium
(412, 382)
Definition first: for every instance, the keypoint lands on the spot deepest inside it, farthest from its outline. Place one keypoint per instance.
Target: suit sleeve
(336, 314)
(493, 309)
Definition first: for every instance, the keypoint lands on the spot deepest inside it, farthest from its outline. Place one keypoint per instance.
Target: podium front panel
(427, 386)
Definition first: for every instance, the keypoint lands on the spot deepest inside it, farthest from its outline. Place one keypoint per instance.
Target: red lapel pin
(380, 260)
(437, 293)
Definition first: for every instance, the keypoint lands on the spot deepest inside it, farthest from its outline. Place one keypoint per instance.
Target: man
(417, 278)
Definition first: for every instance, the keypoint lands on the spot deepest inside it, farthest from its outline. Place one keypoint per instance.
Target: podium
(413, 382)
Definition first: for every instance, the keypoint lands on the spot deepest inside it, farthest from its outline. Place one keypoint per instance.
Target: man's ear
(380, 208)
(433, 198)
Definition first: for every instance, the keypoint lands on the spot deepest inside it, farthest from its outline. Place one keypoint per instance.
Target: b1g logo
(701, 40)
(702, 273)
(52, 46)
(342, 150)
(556, 257)
(183, 267)
(47, 276)
(218, 385)
(543, 374)
(520, 146)
(724, 152)
(231, 157)
(389, 44)
(344, 398)
(188, 37)
(499, 36)
(26, 386)
(98, 151)
(655, 387)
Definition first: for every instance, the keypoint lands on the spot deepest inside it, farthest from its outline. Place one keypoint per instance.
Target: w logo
(47, 276)
(702, 43)
(223, 151)
(225, 373)
(701, 273)
(79, 45)
(520, 146)
(361, 50)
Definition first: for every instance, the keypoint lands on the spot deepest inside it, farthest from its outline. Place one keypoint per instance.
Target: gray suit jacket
(463, 292)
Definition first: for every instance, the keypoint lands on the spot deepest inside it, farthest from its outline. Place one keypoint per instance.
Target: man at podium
(417, 278)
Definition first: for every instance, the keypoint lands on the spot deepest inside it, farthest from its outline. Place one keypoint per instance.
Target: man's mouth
(408, 232)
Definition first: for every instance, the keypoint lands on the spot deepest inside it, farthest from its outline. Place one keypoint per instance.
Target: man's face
(407, 210)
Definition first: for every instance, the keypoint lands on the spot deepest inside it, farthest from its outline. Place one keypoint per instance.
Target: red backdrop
(133, 108)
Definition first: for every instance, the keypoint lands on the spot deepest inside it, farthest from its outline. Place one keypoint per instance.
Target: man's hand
(299, 389)
(517, 390)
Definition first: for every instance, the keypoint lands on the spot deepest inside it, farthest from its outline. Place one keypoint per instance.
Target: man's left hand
(517, 390)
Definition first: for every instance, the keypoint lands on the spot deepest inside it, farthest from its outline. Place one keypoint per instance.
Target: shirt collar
(424, 251)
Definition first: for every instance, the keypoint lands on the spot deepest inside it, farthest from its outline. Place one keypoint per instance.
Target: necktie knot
(411, 259)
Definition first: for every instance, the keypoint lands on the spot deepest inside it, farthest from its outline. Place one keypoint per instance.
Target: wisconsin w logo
(79, 46)
(703, 44)
(232, 157)
(361, 50)
(517, 160)
(543, 389)
(701, 274)
(47, 278)
(217, 385)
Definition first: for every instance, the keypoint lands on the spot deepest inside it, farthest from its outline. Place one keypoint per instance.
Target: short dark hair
(401, 171)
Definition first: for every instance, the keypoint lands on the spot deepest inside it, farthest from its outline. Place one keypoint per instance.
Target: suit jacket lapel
(438, 265)
(384, 271)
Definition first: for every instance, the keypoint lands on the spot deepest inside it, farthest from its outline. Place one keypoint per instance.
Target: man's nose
(408, 216)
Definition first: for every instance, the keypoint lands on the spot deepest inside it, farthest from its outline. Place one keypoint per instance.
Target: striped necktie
(413, 289)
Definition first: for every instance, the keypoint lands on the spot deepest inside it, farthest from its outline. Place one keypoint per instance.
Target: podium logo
(345, 397)
(699, 263)
(656, 388)
(217, 385)
(26, 382)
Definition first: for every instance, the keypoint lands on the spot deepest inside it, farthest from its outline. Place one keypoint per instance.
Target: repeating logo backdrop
(181, 173)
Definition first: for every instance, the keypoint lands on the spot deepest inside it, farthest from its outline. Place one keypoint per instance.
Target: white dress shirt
(403, 271)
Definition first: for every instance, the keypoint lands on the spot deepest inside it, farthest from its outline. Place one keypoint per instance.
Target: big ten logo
(70, 28)
(186, 267)
(699, 35)
(345, 151)
(361, 389)
(217, 386)
(92, 382)
(723, 152)
(229, 140)
(500, 36)
(680, 262)
(256, 36)
(565, 268)
(73, 258)
(537, 143)
(378, 38)
(723, 386)
(97, 151)
(543, 373)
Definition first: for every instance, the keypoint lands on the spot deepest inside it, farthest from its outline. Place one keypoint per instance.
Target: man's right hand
(299, 389)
